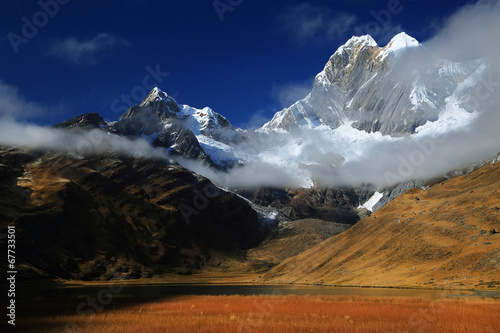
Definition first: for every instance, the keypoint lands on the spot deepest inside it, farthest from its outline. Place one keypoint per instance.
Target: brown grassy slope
(439, 237)
(285, 241)
(292, 238)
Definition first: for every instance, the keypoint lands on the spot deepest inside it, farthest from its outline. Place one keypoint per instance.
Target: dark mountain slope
(86, 218)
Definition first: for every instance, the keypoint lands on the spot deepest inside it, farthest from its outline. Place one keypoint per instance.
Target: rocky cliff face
(338, 205)
(85, 121)
(149, 117)
(380, 89)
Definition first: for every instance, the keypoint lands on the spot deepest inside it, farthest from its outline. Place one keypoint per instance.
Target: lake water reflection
(169, 290)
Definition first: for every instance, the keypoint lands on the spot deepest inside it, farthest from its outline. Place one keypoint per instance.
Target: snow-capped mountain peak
(399, 42)
(200, 134)
(204, 119)
(155, 95)
(363, 84)
(364, 40)
(357, 42)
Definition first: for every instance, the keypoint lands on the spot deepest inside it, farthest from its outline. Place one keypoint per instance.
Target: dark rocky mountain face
(87, 218)
(339, 205)
(148, 117)
(181, 141)
(86, 121)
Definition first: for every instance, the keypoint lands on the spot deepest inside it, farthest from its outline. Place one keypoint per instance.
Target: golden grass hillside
(446, 236)
(285, 241)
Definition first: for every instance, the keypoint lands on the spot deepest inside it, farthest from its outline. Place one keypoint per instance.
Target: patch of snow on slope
(194, 121)
(218, 151)
(419, 96)
(372, 201)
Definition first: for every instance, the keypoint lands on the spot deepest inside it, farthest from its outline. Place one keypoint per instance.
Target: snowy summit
(400, 42)
(156, 95)
(356, 41)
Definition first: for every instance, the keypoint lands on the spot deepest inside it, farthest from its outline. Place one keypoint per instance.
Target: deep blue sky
(259, 57)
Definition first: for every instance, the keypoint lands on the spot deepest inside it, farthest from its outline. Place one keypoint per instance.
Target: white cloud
(258, 119)
(471, 33)
(290, 93)
(85, 51)
(307, 23)
(80, 143)
(14, 105)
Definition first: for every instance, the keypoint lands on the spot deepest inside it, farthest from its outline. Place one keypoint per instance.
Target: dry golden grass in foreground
(283, 314)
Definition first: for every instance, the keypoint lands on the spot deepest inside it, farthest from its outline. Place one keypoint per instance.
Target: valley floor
(266, 314)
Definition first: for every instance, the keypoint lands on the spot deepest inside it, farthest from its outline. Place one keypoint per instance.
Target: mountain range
(212, 194)
(365, 97)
